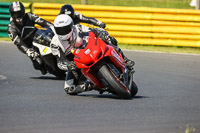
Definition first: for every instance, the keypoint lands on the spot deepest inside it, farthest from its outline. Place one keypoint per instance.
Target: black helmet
(67, 9)
(17, 11)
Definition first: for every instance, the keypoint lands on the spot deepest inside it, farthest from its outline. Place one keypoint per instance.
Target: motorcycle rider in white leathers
(67, 36)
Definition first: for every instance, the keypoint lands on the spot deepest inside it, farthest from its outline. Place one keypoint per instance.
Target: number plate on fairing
(44, 50)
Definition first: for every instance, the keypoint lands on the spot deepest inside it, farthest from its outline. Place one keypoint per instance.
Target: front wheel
(114, 83)
(134, 89)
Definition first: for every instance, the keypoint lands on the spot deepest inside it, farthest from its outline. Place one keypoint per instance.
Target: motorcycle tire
(134, 89)
(60, 74)
(114, 82)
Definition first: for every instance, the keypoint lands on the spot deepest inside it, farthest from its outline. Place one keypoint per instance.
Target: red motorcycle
(105, 68)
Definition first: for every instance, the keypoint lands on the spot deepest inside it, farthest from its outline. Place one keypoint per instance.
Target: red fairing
(95, 50)
(92, 78)
(85, 58)
(115, 57)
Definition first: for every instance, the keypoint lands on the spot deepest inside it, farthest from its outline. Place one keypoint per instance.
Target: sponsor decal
(77, 57)
(61, 22)
(77, 51)
(87, 51)
(45, 50)
(68, 12)
(72, 50)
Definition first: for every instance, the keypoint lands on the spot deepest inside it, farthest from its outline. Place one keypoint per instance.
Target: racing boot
(82, 87)
(43, 70)
(73, 85)
(39, 65)
(129, 63)
(113, 40)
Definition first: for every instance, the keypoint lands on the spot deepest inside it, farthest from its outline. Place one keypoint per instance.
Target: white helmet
(63, 26)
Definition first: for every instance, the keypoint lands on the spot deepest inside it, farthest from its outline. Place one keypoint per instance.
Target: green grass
(5, 39)
(147, 3)
(166, 49)
(144, 3)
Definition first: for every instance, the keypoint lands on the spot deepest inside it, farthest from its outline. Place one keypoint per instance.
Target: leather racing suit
(22, 35)
(78, 17)
(75, 82)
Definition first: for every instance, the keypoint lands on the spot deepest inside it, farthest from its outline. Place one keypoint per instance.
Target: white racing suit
(75, 82)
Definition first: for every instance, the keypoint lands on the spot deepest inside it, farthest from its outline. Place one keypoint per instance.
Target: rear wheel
(60, 74)
(114, 83)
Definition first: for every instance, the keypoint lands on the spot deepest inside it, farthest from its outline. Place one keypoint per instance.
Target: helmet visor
(63, 30)
(16, 15)
(65, 37)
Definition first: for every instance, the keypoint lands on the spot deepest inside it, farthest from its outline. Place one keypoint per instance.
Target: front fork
(126, 77)
(131, 78)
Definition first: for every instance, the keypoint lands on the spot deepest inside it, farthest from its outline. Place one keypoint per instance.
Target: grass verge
(5, 39)
(136, 3)
(166, 49)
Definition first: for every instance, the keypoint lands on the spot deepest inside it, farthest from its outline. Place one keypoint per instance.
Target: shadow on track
(47, 78)
(110, 96)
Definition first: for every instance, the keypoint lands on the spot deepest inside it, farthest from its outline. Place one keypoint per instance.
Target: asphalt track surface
(168, 99)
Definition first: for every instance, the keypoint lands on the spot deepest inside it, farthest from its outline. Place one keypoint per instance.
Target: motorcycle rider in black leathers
(78, 17)
(21, 31)
(67, 36)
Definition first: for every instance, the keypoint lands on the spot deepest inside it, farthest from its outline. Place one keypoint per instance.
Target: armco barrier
(131, 25)
(5, 17)
(139, 25)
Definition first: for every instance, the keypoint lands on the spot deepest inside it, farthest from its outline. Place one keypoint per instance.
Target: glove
(67, 65)
(71, 66)
(102, 25)
(113, 41)
(31, 53)
(104, 35)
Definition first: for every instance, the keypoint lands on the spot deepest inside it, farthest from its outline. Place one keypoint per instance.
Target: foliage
(144, 3)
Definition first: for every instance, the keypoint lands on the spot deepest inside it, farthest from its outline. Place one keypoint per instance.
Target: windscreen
(43, 37)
